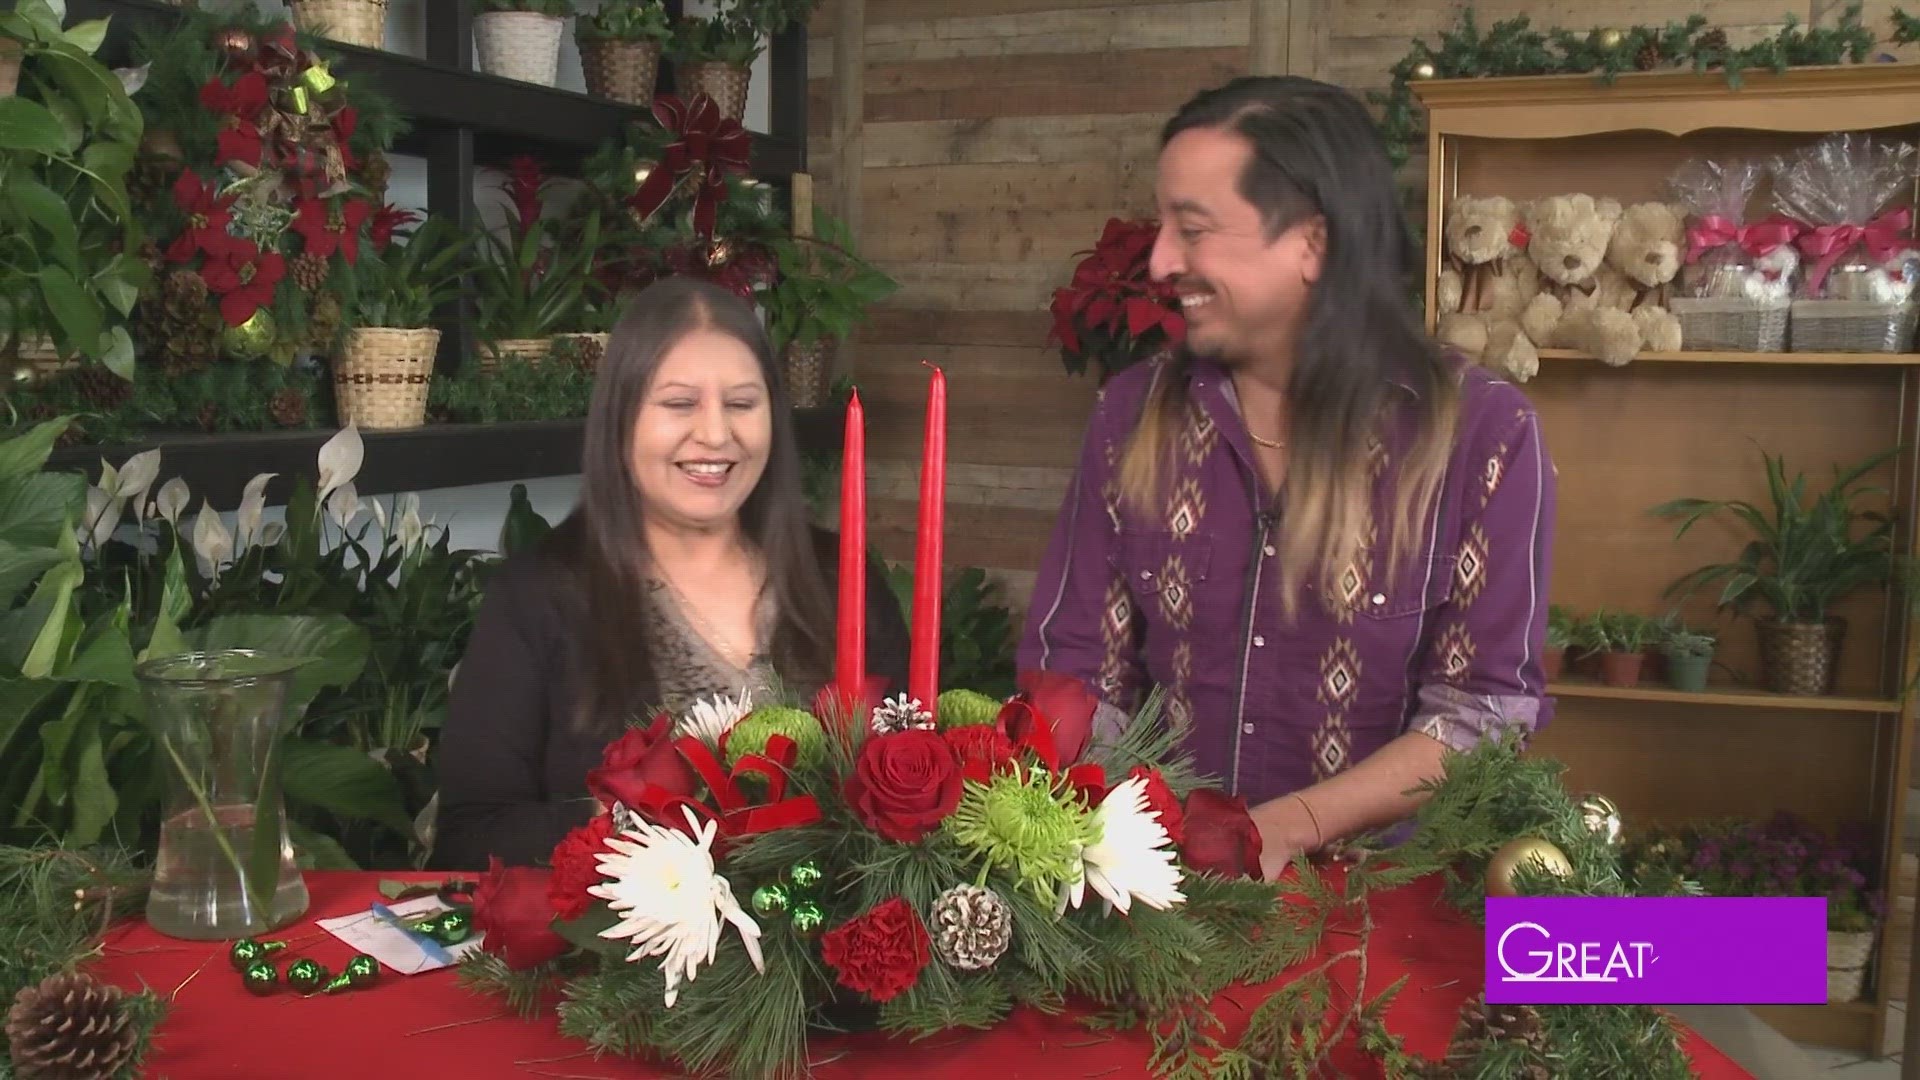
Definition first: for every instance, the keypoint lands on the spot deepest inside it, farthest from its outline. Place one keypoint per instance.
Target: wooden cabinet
(1664, 426)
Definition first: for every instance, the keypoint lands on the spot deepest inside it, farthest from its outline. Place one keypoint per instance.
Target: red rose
(905, 784)
(641, 768)
(510, 906)
(1052, 716)
(1089, 783)
(879, 954)
(981, 748)
(1221, 837)
(576, 867)
(1160, 801)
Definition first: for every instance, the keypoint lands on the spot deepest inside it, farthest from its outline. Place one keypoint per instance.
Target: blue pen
(434, 950)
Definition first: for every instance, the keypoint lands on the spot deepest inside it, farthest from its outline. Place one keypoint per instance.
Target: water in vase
(198, 892)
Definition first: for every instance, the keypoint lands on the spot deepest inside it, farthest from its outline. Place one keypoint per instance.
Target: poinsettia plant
(1114, 314)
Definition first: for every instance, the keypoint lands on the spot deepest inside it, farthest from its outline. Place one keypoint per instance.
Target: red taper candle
(850, 647)
(923, 662)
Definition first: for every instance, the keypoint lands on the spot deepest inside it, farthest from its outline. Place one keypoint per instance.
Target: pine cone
(1648, 57)
(69, 1027)
(309, 271)
(289, 407)
(898, 713)
(971, 927)
(1712, 41)
(1481, 1025)
(184, 292)
(102, 389)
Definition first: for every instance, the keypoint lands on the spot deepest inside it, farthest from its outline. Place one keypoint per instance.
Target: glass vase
(225, 868)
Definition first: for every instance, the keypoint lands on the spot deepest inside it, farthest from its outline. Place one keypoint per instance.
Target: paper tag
(374, 932)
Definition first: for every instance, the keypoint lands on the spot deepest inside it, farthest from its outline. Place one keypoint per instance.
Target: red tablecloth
(426, 1025)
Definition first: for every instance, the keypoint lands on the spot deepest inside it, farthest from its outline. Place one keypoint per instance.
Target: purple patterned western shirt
(1186, 598)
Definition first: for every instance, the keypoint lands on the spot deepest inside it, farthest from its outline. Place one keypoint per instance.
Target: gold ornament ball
(1510, 857)
(1601, 816)
(234, 41)
(1423, 70)
(251, 339)
(1611, 38)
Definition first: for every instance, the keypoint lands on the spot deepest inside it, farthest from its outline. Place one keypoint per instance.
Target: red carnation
(576, 867)
(1160, 800)
(511, 908)
(905, 784)
(982, 749)
(1221, 837)
(879, 954)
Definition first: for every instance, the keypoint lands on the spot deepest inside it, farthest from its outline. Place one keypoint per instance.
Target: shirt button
(1259, 642)
(1248, 728)
(1267, 551)
(1146, 575)
(1379, 598)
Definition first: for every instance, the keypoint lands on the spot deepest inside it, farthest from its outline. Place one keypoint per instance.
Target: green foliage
(624, 20)
(725, 37)
(515, 390)
(1561, 625)
(420, 271)
(977, 635)
(525, 286)
(69, 273)
(824, 289)
(215, 398)
(1802, 557)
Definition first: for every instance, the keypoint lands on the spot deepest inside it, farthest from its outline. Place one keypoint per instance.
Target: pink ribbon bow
(1708, 233)
(1826, 243)
(1761, 238)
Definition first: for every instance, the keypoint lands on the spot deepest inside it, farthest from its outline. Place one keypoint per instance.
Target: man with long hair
(1325, 540)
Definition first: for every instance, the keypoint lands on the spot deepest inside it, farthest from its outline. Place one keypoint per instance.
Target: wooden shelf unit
(1625, 439)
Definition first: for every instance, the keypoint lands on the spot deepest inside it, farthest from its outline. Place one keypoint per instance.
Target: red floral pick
(208, 216)
(705, 143)
(245, 281)
(328, 227)
(524, 181)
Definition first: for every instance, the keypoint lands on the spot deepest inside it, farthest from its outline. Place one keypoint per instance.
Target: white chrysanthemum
(710, 719)
(1134, 857)
(662, 884)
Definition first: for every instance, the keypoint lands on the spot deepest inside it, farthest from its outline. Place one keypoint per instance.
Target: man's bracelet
(1319, 838)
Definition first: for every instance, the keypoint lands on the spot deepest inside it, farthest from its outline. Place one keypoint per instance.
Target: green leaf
(27, 453)
(175, 602)
(87, 36)
(336, 648)
(584, 931)
(120, 282)
(70, 115)
(28, 125)
(76, 309)
(105, 653)
(343, 781)
(263, 863)
(18, 699)
(110, 160)
(93, 798)
(21, 566)
(116, 351)
(49, 211)
(318, 851)
(42, 624)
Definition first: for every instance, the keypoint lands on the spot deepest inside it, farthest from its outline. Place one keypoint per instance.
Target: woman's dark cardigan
(511, 767)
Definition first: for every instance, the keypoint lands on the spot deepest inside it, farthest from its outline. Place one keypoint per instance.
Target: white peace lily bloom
(271, 532)
(109, 476)
(344, 505)
(711, 718)
(407, 522)
(138, 474)
(103, 516)
(379, 515)
(212, 544)
(253, 502)
(671, 903)
(1133, 859)
(340, 460)
(172, 500)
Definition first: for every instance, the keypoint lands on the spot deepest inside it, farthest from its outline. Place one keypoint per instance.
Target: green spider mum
(1026, 827)
(751, 734)
(965, 708)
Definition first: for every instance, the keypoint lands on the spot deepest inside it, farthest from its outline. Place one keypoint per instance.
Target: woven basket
(532, 350)
(1731, 324)
(1848, 954)
(1852, 326)
(1801, 658)
(350, 22)
(623, 71)
(381, 378)
(523, 45)
(11, 54)
(808, 367)
(725, 83)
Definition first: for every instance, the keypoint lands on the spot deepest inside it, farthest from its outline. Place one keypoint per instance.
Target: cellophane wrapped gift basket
(1860, 258)
(1735, 290)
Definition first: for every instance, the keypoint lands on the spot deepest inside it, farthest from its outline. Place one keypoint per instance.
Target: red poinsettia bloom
(1114, 310)
(208, 216)
(245, 281)
(239, 139)
(385, 220)
(328, 227)
(344, 122)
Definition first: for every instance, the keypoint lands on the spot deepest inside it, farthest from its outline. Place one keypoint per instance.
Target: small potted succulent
(1619, 640)
(520, 39)
(620, 46)
(1688, 654)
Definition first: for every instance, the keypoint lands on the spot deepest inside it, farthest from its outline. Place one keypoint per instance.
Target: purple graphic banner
(1656, 950)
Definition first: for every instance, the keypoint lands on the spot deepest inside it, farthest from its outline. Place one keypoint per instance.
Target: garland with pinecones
(60, 1022)
(1513, 48)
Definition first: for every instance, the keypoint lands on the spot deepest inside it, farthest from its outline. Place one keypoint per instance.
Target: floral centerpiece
(1113, 313)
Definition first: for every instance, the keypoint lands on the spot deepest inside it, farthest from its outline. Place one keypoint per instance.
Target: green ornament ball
(260, 978)
(305, 975)
(363, 971)
(244, 952)
(751, 734)
(251, 339)
(808, 918)
(965, 708)
(769, 900)
(451, 928)
(806, 875)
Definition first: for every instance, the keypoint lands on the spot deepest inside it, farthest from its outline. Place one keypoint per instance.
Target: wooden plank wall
(997, 137)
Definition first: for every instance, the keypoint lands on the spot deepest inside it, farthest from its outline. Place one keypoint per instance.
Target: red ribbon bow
(737, 817)
(707, 143)
(1826, 243)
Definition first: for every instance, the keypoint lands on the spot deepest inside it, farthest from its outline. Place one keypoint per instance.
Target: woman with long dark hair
(688, 573)
(1326, 540)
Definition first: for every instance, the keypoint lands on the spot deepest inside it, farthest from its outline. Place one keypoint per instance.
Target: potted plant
(520, 39)
(71, 276)
(620, 46)
(1560, 637)
(526, 289)
(384, 372)
(1802, 557)
(1618, 640)
(822, 291)
(714, 55)
(1689, 655)
(1114, 314)
(350, 22)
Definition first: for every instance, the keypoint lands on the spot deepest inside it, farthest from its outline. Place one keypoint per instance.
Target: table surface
(427, 1025)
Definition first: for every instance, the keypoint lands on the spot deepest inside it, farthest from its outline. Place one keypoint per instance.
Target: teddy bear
(1568, 237)
(1645, 250)
(1485, 283)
